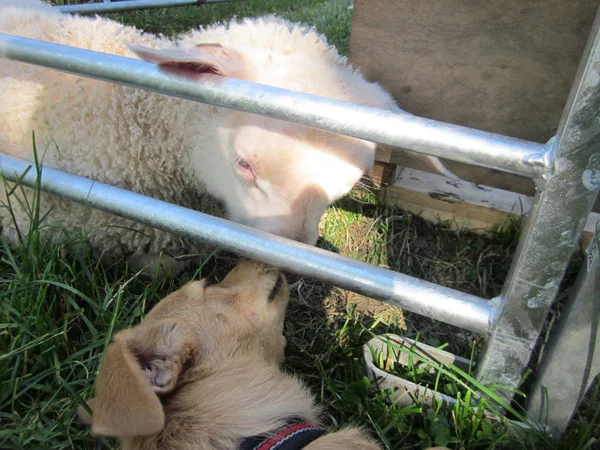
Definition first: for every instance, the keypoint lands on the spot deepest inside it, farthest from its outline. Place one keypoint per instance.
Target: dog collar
(295, 435)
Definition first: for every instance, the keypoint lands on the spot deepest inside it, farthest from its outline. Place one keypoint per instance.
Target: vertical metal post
(571, 359)
(552, 230)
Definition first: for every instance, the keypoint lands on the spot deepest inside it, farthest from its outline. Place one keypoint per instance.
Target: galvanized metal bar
(450, 306)
(571, 359)
(372, 124)
(131, 5)
(553, 228)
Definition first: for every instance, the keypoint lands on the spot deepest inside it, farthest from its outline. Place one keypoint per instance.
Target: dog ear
(163, 351)
(138, 365)
(125, 404)
(190, 62)
(84, 416)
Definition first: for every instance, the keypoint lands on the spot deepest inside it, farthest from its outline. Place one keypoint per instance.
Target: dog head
(194, 329)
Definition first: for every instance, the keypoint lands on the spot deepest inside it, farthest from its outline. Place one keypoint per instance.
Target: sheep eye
(243, 164)
(244, 170)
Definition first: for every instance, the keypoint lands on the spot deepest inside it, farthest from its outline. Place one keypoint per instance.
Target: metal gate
(566, 171)
(120, 6)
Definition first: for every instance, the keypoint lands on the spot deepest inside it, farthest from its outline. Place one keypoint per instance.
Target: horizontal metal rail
(396, 129)
(422, 297)
(131, 5)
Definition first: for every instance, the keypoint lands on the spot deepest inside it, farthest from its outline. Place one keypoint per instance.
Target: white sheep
(269, 174)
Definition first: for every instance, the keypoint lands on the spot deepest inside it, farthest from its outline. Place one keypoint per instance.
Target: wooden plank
(464, 204)
(383, 153)
(381, 175)
(474, 175)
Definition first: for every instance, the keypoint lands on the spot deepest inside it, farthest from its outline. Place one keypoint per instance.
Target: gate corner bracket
(543, 161)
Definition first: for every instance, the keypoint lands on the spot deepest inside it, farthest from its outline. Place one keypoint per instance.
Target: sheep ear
(191, 62)
(432, 163)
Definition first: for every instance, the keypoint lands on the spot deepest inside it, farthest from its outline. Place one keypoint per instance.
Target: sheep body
(143, 141)
(109, 133)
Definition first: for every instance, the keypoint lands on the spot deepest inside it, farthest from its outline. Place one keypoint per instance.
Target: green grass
(331, 17)
(59, 309)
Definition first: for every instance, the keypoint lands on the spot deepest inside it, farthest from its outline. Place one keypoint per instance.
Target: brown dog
(202, 372)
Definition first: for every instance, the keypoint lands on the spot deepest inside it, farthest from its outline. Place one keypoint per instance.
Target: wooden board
(504, 66)
(464, 204)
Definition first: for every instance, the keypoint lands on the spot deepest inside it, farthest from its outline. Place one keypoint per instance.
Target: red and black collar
(295, 435)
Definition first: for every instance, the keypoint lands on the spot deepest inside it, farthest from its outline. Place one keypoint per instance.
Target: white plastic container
(406, 392)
